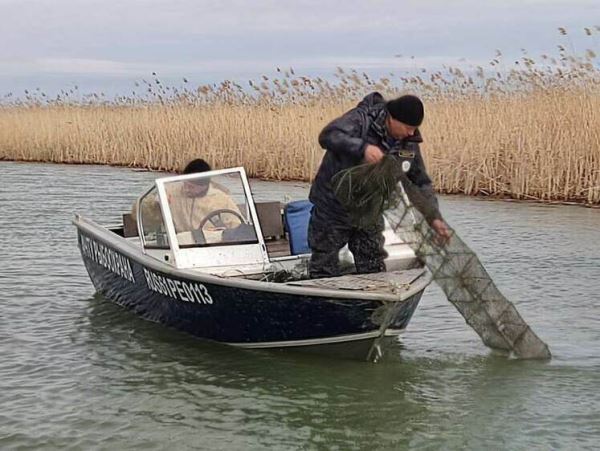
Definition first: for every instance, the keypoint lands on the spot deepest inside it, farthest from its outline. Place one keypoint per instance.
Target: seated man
(201, 210)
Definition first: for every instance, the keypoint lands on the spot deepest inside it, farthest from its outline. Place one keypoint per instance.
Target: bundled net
(369, 191)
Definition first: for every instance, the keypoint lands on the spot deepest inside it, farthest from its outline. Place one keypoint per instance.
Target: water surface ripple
(77, 372)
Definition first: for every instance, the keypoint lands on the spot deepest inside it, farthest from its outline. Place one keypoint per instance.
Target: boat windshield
(210, 210)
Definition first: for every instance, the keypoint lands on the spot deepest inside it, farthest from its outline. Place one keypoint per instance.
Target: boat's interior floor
(387, 282)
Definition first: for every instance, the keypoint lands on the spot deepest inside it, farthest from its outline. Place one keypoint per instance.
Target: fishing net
(369, 191)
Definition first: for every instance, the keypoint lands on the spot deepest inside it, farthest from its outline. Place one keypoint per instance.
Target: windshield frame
(196, 255)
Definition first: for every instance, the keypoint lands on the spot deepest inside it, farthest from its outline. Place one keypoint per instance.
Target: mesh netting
(369, 191)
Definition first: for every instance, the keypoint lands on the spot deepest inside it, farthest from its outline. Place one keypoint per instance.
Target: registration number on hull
(177, 289)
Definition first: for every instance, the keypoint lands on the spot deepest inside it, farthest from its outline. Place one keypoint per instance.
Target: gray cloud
(123, 38)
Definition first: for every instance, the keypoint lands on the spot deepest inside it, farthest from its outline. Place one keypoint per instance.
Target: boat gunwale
(132, 251)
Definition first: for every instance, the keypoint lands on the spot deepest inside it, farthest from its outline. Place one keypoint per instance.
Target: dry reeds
(529, 132)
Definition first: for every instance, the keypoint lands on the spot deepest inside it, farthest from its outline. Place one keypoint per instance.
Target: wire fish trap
(454, 266)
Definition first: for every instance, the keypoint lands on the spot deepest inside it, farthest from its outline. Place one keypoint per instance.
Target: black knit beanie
(407, 109)
(195, 166)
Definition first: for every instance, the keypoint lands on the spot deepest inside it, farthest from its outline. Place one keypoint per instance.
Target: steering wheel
(218, 213)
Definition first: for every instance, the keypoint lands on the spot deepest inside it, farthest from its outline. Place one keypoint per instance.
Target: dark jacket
(345, 140)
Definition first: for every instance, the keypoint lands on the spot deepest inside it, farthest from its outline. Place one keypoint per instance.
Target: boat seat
(269, 217)
(271, 224)
(129, 226)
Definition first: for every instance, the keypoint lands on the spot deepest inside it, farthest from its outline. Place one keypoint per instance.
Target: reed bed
(528, 130)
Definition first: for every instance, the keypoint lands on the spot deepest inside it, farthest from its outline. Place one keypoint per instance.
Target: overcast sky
(108, 44)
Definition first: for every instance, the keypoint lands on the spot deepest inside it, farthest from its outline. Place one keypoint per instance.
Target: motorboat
(199, 255)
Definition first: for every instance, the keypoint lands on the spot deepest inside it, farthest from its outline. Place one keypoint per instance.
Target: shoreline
(489, 197)
(528, 146)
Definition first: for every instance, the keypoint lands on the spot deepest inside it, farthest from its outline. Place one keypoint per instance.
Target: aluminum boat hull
(243, 313)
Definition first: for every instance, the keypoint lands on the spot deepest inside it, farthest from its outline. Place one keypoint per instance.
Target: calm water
(77, 372)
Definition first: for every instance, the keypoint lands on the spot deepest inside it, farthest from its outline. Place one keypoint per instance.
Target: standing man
(364, 135)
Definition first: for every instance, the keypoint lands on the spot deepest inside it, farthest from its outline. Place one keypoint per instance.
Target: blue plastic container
(296, 216)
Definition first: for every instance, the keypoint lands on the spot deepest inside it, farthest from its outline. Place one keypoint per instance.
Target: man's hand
(442, 231)
(373, 154)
